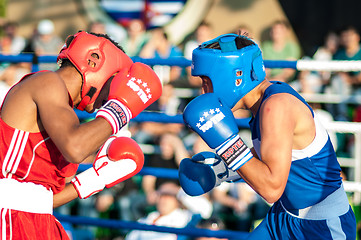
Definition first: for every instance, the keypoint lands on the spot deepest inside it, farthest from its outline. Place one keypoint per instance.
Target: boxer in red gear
(42, 140)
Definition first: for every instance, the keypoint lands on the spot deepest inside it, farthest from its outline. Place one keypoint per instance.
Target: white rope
(353, 162)
(343, 127)
(331, 98)
(336, 66)
(352, 186)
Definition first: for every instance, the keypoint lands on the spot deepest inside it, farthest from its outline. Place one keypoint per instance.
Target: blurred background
(310, 20)
(285, 30)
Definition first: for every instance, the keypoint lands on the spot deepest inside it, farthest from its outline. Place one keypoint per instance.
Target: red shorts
(18, 225)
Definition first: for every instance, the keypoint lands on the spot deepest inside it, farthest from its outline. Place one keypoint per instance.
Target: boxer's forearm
(68, 194)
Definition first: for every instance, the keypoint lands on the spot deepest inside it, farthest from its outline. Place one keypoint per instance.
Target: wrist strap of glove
(115, 113)
(87, 183)
(234, 153)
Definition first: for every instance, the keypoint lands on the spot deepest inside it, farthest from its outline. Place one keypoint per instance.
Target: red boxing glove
(129, 94)
(130, 158)
(120, 158)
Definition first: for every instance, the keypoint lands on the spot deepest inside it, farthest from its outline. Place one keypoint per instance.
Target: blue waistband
(334, 205)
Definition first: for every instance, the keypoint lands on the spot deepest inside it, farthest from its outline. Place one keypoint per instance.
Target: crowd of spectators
(160, 201)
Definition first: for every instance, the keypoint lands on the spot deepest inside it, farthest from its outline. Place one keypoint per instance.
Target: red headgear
(111, 60)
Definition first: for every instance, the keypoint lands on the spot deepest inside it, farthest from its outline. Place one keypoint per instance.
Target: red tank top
(33, 157)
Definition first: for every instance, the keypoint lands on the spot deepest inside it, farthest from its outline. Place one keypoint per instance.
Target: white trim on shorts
(334, 205)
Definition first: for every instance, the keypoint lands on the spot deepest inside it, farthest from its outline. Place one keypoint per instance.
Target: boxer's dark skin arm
(69, 193)
(66, 195)
(41, 102)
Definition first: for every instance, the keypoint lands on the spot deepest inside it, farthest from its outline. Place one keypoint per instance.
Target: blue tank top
(315, 171)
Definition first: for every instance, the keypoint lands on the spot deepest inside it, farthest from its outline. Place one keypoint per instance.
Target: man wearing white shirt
(168, 214)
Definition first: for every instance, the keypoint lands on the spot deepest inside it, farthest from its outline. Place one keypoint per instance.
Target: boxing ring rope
(120, 224)
(300, 65)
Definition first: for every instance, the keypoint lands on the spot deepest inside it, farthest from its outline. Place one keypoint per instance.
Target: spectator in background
(4, 88)
(168, 213)
(213, 223)
(130, 199)
(195, 144)
(329, 47)
(11, 75)
(239, 205)
(280, 47)
(325, 117)
(11, 43)
(172, 151)
(168, 103)
(159, 46)
(316, 81)
(106, 208)
(114, 30)
(166, 135)
(243, 29)
(349, 50)
(345, 83)
(97, 27)
(204, 32)
(137, 37)
(46, 42)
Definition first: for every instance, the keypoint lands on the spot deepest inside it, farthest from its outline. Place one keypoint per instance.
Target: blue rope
(172, 61)
(120, 224)
(158, 117)
(280, 64)
(158, 172)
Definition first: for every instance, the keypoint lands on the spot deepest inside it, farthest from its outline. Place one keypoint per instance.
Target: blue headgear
(222, 65)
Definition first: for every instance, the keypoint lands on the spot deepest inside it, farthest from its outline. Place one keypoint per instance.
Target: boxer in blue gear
(293, 164)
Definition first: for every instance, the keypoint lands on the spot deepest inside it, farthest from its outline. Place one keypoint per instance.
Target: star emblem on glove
(137, 85)
(210, 117)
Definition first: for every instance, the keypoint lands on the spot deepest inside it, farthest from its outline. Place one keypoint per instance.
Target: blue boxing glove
(216, 125)
(203, 172)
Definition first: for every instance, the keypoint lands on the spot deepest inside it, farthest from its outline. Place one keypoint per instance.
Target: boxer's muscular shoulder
(42, 83)
(48, 84)
(22, 99)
